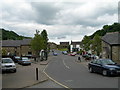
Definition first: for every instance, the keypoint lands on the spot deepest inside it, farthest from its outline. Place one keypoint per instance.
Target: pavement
(25, 81)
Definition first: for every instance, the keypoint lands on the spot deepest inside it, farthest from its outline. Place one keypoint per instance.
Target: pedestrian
(79, 58)
(35, 59)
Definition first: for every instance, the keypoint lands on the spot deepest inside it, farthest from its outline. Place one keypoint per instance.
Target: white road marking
(66, 65)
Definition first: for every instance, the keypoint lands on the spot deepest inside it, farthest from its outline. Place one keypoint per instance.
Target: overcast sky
(63, 20)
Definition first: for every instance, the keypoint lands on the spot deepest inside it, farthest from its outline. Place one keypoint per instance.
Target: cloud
(45, 12)
(62, 20)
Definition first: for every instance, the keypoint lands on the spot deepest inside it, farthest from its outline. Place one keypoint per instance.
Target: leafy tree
(44, 36)
(37, 43)
(96, 44)
(95, 40)
(4, 52)
(85, 43)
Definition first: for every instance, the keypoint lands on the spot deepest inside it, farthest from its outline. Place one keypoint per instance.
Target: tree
(96, 44)
(37, 43)
(4, 52)
(85, 43)
(44, 36)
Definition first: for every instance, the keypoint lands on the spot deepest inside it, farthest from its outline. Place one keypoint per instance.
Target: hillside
(107, 28)
(6, 34)
(93, 42)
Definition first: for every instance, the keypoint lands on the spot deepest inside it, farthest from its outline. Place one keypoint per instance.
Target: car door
(98, 66)
(93, 65)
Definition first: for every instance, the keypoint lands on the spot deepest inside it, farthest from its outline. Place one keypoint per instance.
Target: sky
(64, 20)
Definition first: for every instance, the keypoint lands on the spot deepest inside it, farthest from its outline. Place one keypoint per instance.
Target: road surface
(65, 70)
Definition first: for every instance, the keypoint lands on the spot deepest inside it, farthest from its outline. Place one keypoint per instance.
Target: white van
(8, 65)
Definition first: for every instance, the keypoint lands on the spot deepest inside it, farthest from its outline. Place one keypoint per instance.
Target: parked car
(24, 61)
(64, 52)
(106, 67)
(86, 55)
(29, 56)
(8, 65)
(16, 58)
(55, 54)
(94, 57)
(73, 54)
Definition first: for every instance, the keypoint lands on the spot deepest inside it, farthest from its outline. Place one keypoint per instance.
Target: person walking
(79, 59)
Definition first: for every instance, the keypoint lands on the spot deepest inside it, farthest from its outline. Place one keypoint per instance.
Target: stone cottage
(18, 47)
(111, 46)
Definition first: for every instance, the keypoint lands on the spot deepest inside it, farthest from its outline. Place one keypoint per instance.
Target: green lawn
(63, 49)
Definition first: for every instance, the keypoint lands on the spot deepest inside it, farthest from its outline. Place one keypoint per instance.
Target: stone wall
(116, 53)
(106, 50)
(21, 50)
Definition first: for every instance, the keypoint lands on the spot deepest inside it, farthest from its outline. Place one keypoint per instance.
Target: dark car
(64, 52)
(29, 56)
(16, 58)
(106, 67)
(24, 61)
(55, 54)
(86, 55)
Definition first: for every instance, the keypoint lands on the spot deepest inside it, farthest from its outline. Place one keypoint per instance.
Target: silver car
(8, 64)
(24, 61)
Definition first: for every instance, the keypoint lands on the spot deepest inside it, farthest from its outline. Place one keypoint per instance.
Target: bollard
(36, 73)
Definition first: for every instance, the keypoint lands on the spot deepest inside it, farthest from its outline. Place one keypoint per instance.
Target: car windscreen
(17, 57)
(7, 61)
(25, 59)
(107, 62)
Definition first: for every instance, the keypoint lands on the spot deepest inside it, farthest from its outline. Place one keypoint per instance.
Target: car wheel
(90, 70)
(104, 72)
(15, 70)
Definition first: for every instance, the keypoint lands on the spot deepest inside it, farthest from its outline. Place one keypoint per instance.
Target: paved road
(67, 71)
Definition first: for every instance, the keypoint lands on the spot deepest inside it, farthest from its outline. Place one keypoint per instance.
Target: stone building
(52, 45)
(64, 45)
(18, 47)
(111, 46)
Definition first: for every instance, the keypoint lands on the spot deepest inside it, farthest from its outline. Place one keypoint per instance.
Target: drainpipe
(111, 51)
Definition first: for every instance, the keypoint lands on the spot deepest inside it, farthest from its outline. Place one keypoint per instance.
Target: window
(98, 62)
(29, 52)
(94, 61)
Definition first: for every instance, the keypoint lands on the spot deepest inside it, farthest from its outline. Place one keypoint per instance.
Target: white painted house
(75, 46)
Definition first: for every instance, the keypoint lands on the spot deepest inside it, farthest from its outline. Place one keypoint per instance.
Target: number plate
(118, 71)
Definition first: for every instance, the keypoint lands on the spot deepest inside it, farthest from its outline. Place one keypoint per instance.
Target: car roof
(6, 58)
(102, 59)
(24, 57)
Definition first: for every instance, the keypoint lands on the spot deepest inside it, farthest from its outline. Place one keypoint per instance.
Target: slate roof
(15, 43)
(112, 38)
(64, 43)
(75, 43)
